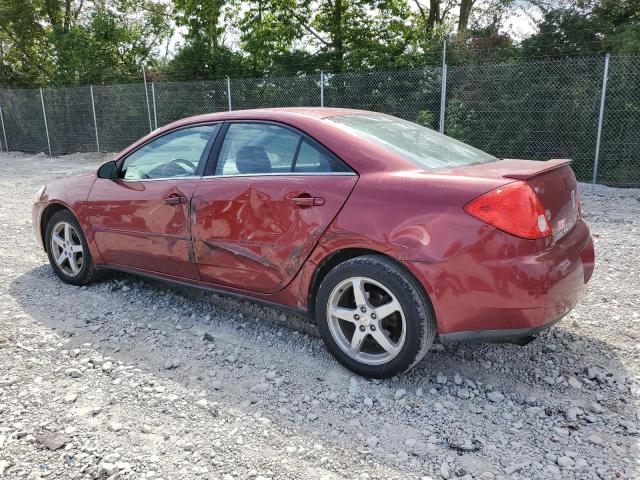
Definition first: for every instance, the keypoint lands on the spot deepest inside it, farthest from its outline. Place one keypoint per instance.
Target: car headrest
(251, 159)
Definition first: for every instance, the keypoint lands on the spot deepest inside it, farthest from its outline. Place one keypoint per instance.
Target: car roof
(274, 114)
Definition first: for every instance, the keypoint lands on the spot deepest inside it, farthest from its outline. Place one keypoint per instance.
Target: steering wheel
(135, 173)
(186, 165)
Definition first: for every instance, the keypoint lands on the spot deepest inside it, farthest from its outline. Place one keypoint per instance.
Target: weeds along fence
(586, 109)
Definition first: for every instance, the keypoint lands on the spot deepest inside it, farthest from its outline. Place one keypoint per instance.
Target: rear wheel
(374, 317)
(68, 251)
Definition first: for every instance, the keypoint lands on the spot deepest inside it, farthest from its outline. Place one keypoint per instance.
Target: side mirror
(108, 171)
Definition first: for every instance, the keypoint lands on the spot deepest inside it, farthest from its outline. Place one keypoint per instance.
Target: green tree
(270, 38)
(336, 34)
(587, 27)
(204, 53)
(24, 46)
(63, 42)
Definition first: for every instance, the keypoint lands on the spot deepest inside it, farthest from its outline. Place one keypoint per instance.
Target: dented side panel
(248, 234)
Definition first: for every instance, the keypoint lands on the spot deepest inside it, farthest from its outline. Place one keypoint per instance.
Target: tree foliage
(62, 42)
(70, 42)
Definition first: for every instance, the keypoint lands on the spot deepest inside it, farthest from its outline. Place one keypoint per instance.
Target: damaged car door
(261, 208)
(141, 218)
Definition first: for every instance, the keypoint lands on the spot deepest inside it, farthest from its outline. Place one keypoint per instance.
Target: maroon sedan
(387, 233)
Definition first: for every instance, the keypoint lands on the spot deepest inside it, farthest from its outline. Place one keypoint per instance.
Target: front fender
(71, 194)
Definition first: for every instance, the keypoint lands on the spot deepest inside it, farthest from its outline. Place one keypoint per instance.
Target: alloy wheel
(366, 320)
(66, 248)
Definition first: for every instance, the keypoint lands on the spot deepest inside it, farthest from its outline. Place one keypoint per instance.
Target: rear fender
(416, 217)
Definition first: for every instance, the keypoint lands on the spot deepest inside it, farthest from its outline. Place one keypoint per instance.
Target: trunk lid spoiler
(506, 169)
(526, 169)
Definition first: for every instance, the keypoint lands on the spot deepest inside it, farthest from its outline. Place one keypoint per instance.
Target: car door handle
(175, 199)
(307, 201)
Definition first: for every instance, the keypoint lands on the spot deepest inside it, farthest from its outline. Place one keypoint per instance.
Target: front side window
(260, 148)
(176, 154)
(422, 146)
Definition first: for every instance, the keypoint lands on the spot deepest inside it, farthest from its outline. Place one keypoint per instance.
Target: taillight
(513, 208)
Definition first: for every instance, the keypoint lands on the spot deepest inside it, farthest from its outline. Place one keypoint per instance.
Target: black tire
(87, 273)
(420, 320)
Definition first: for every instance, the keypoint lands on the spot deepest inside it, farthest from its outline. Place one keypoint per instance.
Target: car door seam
(90, 221)
(319, 237)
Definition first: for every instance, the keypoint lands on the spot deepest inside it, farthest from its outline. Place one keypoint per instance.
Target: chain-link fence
(620, 147)
(411, 94)
(536, 109)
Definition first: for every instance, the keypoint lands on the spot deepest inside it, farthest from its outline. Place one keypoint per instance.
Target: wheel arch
(339, 256)
(46, 215)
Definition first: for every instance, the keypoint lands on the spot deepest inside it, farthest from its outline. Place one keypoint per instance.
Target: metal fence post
(229, 92)
(46, 127)
(4, 132)
(153, 96)
(321, 88)
(443, 86)
(146, 92)
(600, 118)
(95, 122)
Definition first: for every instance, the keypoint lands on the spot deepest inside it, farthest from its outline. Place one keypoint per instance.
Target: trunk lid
(557, 190)
(553, 181)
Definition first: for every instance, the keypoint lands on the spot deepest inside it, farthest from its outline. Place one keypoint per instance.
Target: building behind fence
(586, 109)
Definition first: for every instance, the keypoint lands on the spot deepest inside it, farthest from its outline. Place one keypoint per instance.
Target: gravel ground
(131, 379)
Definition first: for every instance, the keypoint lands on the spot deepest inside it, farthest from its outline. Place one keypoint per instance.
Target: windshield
(422, 146)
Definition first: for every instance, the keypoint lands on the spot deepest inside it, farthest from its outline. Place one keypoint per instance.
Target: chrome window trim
(134, 180)
(286, 174)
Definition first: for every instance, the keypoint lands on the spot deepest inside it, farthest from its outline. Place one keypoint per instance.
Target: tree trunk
(337, 43)
(465, 13)
(66, 24)
(434, 15)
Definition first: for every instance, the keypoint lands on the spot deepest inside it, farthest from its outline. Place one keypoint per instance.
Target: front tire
(374, 317)
(68, 251)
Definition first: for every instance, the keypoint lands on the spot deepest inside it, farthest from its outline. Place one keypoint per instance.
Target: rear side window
(312, 160)
(254, 148)
(422, 146)
(260, 148)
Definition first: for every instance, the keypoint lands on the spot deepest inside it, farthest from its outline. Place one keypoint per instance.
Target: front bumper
(507, 288)
(36, 214)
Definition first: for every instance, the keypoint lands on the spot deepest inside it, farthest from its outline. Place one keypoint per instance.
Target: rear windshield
(422, 146)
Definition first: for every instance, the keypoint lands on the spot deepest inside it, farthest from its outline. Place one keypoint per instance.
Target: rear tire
(68, 251)
(374, 317)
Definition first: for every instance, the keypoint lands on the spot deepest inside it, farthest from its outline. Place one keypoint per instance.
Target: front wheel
(68, 251)
(374, 317)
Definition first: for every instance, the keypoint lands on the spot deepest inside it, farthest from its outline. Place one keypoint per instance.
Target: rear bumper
(505, 287)
(501, 335)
